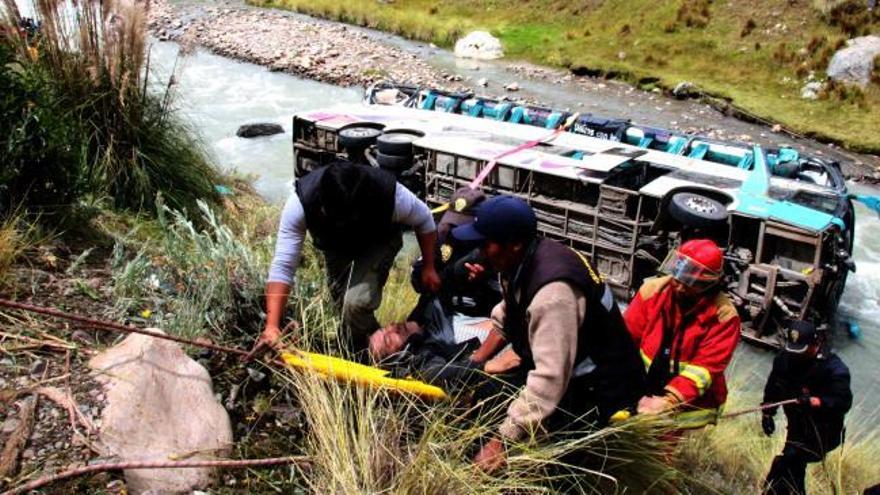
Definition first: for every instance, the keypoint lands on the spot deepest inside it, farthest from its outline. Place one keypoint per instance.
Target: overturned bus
(623, 195)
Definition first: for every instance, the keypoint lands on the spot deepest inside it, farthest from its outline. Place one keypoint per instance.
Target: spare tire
(396, 143)
(696, 210)
(394, 163)
(358, 137)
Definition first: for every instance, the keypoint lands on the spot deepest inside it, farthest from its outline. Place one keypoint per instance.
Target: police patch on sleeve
(445, 252)
(460, 204)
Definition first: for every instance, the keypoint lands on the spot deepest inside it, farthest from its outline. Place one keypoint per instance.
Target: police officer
(819, 380)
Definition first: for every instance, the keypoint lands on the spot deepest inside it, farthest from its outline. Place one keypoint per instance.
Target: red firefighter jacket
(702, 346)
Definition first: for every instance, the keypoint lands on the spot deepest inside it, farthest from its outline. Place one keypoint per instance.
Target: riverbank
(330, 53)
(335, 54)
(758, 55)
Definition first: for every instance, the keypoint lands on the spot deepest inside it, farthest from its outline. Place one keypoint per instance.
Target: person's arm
(839, 397)
(556, 313)
(636, 315)
(288, 248)
(774, 389)
(713, 355)
(493, 343)
(409, 210)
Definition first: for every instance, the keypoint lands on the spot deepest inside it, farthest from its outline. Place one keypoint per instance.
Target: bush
(79, 117)
(194, 281)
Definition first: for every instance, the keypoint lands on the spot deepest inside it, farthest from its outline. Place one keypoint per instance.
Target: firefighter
(354, 214)
(819, 380)
(577, 360)
(686, 329)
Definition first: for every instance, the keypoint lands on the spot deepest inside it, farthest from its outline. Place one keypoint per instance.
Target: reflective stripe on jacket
(703, 351)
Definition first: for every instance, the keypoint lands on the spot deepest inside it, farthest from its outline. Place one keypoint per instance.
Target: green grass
(760, 68)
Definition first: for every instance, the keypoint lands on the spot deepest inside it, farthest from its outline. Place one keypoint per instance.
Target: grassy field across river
(757, 54)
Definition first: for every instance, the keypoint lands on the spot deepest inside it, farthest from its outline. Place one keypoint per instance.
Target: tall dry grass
(86, 69)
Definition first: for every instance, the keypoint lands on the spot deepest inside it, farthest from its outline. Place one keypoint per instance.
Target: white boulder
(854, 63)
(159, 405)
(479, 45)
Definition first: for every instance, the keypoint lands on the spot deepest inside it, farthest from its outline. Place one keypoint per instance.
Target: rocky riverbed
(331, 53)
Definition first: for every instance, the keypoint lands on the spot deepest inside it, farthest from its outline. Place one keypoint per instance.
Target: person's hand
(503, 362)
(768, 424)
(430, 279)
(475, 271)
(268, 340)
(809, 401)
(491, 457)
(655, 404)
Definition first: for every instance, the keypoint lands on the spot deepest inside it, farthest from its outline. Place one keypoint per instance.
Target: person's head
(506, 226)
(696, 267)
(462, 209)
(802, 339)
(391, 339)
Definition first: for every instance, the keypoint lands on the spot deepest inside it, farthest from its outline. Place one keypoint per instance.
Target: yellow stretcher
(360, 374)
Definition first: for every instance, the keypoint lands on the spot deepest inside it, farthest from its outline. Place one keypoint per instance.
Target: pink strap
(491, 165)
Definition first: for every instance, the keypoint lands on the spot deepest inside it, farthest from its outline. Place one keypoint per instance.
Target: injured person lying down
(438, 346)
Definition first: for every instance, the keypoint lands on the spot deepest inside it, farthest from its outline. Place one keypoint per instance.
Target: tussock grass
(664, 42)
(78, 102)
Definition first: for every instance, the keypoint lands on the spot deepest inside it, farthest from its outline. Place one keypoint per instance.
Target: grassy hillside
(758, 54)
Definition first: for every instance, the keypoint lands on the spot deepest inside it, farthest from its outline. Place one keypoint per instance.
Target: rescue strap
(326, 366)
(108, 325)
(116, 466)
(478, 180)
(759, 408)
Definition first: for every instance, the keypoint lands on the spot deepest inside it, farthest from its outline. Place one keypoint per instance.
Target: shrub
(82, 120)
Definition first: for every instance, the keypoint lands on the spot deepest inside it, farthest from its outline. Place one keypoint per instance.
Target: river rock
(684, 89)
(480, 45)
(854, 63)
(810, 91)
(258, 130)
(159, 403)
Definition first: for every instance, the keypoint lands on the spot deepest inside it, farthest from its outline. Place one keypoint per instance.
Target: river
(217, 95)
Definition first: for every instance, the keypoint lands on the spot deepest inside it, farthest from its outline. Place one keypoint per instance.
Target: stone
(853, 64)
(810, 91)
(479, 45)
(159, 403)
(512, 87)
(684, 89)
(258, 130)
(776, 128)
(482, 82)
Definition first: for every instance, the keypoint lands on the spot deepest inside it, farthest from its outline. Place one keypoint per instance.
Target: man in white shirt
(355, 215)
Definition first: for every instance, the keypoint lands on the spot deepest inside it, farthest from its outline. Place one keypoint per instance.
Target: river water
(216, 95)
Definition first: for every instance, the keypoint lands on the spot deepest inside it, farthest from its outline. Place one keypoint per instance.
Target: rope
(109, 325)
(759, 408)
(115, 466)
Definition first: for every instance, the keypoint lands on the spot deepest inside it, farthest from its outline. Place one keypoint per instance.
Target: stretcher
(360, 374)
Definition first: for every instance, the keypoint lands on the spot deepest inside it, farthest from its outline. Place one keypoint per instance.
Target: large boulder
(159, 404)
(854, 63)
(258, 130)
(479, 45)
